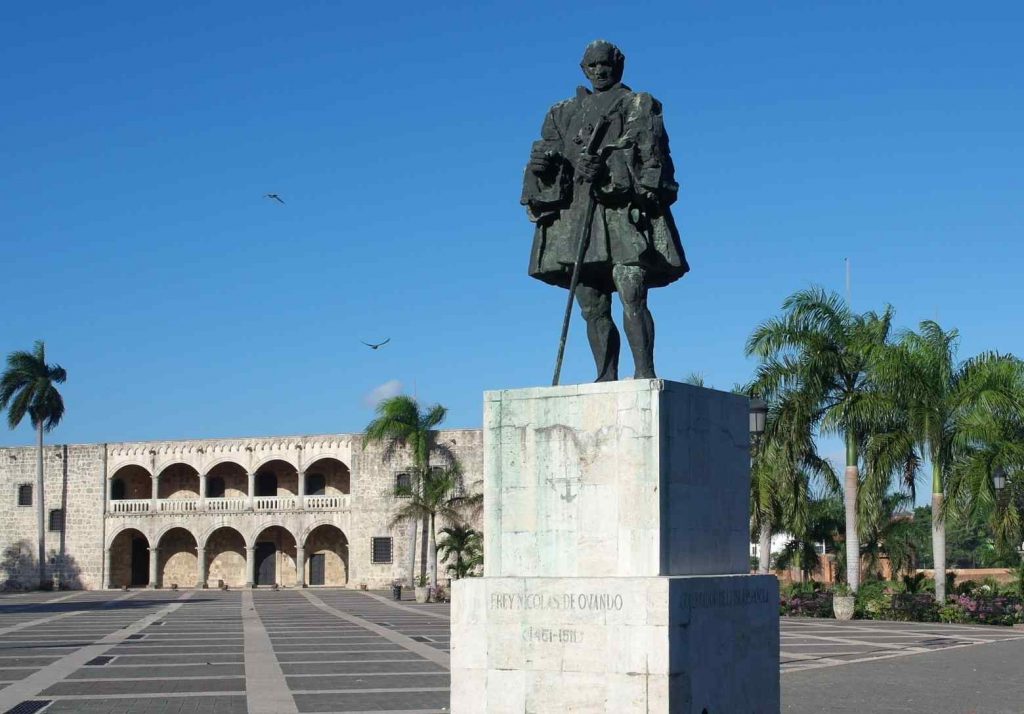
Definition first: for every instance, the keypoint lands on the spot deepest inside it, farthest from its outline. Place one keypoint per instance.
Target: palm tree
(887, 533)
(942, 401)
(824, 520)
(401, 422)
(464, 547)
(432, 498)
(823, 352)
(785, 463)
(996, 441)
(27, 388)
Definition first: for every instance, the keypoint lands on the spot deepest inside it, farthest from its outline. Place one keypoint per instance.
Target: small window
(381, 550)
(215, 487)
(25, 494)
(403, 484)
(57, 520)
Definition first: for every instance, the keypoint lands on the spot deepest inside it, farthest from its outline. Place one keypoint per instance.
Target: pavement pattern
(352, 652)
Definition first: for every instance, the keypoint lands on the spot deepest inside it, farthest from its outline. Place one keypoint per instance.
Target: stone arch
(129, 550)
(137, 480)
(337, 473)
(275, 456)
(256, 532)
(224, 548)
(177, 479)
(177, 560)
(223, 460)
(236, 478)
(325, 547)
(287, 476)
(274, 555)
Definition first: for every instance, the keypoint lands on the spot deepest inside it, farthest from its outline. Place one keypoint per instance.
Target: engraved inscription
(725, 598)
(546, 634)
(581, 601)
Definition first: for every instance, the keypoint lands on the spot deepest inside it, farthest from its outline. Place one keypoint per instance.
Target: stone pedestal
(616, 558)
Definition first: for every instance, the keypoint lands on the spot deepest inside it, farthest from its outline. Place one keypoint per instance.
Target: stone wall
(72, 481)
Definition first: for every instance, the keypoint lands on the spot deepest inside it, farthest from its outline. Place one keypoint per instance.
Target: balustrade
(139, 506)
(227, 504)
(178, 505)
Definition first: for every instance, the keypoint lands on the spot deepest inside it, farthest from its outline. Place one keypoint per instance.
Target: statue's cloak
(632, 222)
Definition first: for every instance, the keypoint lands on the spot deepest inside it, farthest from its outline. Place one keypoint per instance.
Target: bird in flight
(379, 344)
(274, 197)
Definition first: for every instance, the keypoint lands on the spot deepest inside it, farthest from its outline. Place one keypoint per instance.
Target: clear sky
(137, 141)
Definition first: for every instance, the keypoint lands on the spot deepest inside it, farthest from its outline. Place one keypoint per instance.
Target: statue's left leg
(636, 318)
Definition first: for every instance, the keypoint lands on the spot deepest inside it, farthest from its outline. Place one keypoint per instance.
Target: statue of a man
(632, 243)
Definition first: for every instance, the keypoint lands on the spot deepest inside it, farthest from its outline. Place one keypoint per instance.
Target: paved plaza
(335, 650)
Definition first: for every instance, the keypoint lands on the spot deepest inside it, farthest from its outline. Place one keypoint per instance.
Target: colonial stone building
(291, 511)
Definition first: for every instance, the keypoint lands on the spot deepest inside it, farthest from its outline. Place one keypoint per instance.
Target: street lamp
(758, 414)
(999, 478)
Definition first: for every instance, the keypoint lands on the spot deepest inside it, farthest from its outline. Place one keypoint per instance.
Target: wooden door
(266, 563)
(316, 569)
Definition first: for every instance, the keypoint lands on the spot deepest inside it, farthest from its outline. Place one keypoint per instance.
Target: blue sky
(137, 142)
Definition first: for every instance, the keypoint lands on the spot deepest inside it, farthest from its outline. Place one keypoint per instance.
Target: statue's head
(603, 63)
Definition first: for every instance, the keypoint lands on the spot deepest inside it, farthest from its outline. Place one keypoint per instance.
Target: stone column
(154, 567)
(154, 494)
(300, 566)
(252, 490)
(250, 564)
(202, 492)
(106, 568)
(302, 489)
(201, 566)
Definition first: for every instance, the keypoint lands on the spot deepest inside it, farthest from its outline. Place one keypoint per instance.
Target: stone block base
(679, 644)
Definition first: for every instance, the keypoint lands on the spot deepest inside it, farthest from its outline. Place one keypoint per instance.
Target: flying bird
(379, 344)
(274, 197)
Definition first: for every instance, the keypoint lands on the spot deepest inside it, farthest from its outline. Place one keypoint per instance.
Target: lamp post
(758, 415)
(999, 479)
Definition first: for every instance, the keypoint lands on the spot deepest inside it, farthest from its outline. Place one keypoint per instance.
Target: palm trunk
(938, 534)
(412, 554)
(765, 549)
(852, 482)
(424, 546)
(40, 506)
(433, 554)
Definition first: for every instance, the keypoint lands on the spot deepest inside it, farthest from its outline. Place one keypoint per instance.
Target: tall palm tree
(822, 351)
(942, 400)
(463, 546)
(432, 498)
(785, 462)
(27, 388)
(402, 423)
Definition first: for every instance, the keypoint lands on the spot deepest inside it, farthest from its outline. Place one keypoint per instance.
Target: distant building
(289, 510)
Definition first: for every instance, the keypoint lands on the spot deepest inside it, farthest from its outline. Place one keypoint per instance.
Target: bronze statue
(599, 185)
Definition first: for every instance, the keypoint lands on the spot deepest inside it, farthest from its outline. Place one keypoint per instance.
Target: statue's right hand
(541, 163)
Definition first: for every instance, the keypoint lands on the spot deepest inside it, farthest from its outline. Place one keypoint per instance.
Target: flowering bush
(812, 604)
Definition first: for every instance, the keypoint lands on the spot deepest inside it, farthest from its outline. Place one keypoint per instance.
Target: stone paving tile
(356, 667)
(373, 701)
(70, 687)
(177, 705)
(188, 670)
